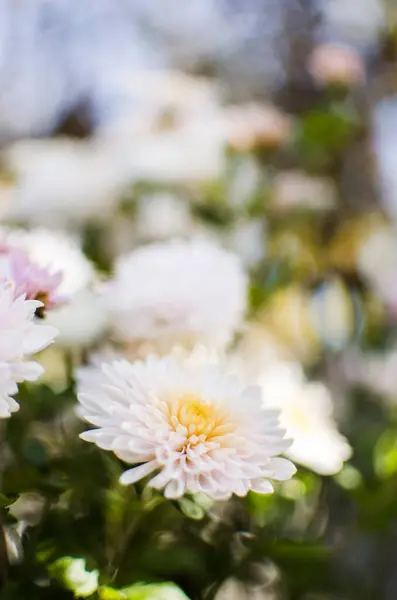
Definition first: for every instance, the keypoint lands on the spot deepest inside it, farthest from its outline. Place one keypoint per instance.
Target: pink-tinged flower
(186, 424)
(31, 279)
(20, 337)
(336, 64)
(257, 125)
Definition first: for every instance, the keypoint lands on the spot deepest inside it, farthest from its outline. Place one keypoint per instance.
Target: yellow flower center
(203, 419)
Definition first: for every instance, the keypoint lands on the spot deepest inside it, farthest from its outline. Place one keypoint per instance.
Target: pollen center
(198, 417)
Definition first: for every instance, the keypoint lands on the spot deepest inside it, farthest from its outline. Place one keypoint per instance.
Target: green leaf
(385, 455)
(72, 574)
(5, 501)
(191, 509)
(324, 134)
(107, 593)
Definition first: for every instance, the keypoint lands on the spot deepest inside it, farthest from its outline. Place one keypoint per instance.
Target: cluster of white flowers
(39, 270)
(177, 416)
(30, 282)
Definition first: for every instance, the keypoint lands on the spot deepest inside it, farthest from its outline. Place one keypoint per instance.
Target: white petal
(137, 473)
(261, 486)
(97, 437)
(175, 488)
(280, 469)
(39, 337)
(27, 371)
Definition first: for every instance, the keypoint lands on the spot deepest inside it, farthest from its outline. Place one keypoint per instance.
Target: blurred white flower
(36, 282)
(295, 190)
(263, 583)
(374, 370)
(384, 117)
(63, 180)
(244, 182)
(330, 312)
(178, 292)
(54, 250)
(191, 148)
(82, 321)
(173, 131)
(167, 99)
(253, 125)
(178, 134)
(183, 130)
(192, 427)
(20, 337)
(189, 153)
(307, 415)
(83, 318)
(336, 64)
(232, 589)
(163, 216)
(247, 238)
(377, 261)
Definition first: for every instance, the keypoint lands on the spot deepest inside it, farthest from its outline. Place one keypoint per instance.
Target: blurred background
(269, 126)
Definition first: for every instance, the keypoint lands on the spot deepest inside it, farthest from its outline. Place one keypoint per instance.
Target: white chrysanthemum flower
(186, 423)
(83, 317)
(20, 337)
(183, 292)
(55, 250)
(307, 415)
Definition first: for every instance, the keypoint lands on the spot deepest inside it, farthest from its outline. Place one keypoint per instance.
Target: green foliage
(324, 134)
(72, 574)
(163, 591)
